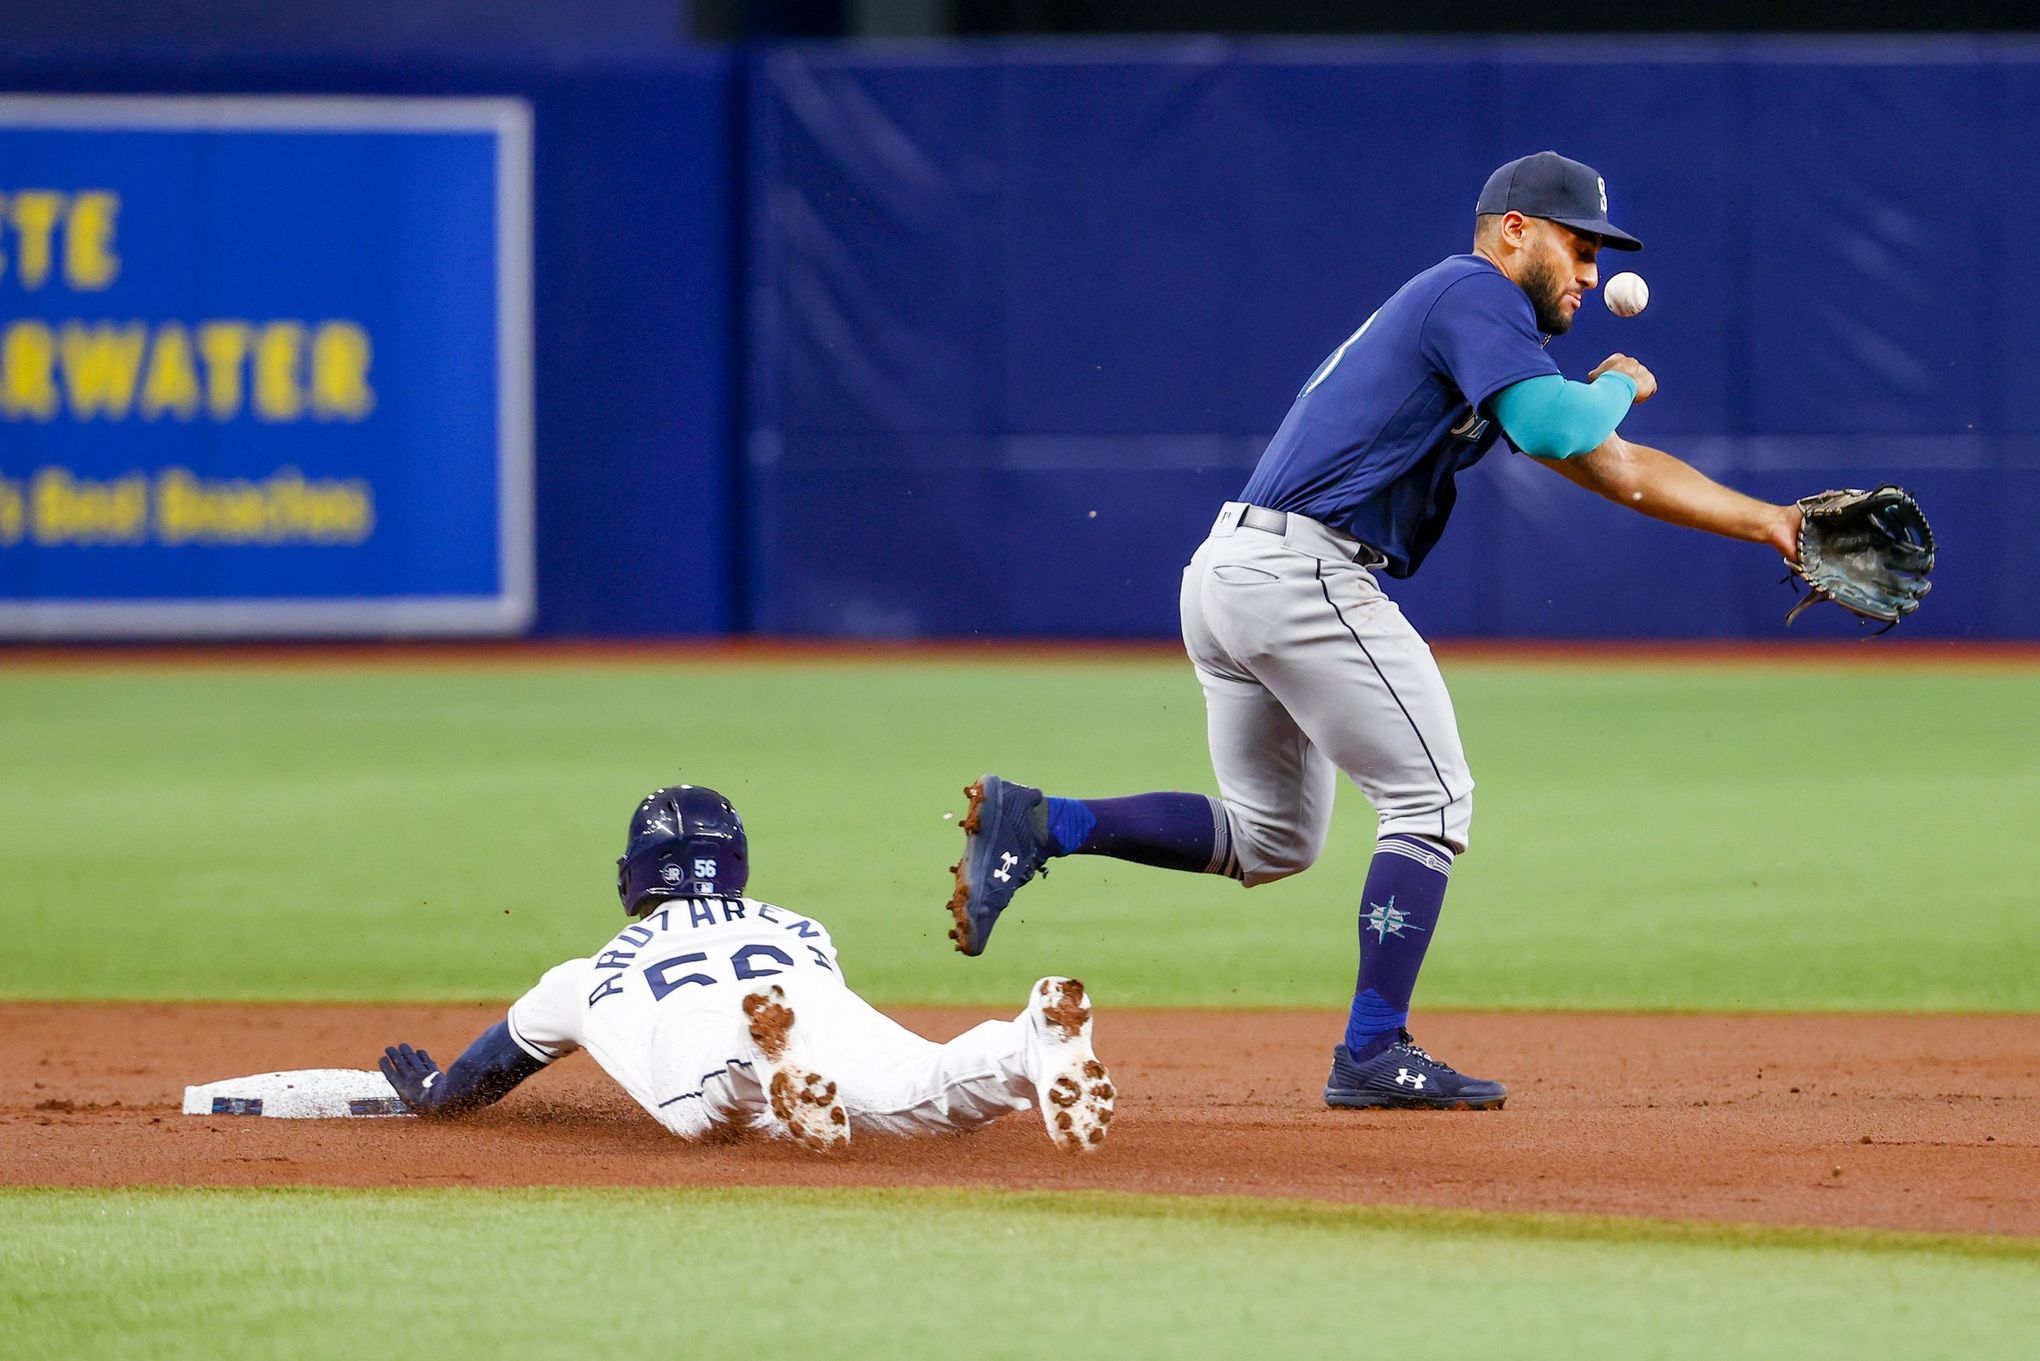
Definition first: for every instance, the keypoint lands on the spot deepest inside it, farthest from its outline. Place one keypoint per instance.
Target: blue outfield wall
(629, 484)
(1022, 315)
(973, 338)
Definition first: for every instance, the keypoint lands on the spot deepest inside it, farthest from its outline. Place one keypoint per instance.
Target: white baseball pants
(889, 1079)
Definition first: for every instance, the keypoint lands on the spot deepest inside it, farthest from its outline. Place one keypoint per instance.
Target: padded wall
(1023, 315)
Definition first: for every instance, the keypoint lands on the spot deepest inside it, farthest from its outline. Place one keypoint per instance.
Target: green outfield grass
(740, 1273)
(1662, 837)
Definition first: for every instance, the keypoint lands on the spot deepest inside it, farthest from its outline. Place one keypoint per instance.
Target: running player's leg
(1274, 805)
(723, 1056)
(1276, 785)
(1269, 821)
(1011, 831)
(894, 1081)
(1361, 682)
(900, 1083)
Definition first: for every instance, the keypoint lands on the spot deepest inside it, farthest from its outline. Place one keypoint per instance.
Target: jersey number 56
(752, 961)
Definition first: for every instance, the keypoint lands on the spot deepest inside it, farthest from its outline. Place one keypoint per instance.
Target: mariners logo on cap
(1548, 185)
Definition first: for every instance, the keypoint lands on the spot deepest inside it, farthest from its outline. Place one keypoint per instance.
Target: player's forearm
(1667, 488)
(483, 1075)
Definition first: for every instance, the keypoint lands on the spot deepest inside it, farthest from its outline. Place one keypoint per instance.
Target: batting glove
(413, 1074)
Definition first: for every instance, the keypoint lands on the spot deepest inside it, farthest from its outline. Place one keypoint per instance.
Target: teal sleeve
(1552, 417)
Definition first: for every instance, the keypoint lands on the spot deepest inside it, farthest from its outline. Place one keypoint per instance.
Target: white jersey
(661, 1009)
(658, 1006)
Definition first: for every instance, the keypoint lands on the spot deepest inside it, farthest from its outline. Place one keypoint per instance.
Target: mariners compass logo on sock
(1386, 919)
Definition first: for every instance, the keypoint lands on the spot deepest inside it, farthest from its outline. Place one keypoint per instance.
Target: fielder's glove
(1868, 551)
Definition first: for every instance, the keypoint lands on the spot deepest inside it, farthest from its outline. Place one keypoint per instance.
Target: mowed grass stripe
(555, 1273)
(1646, 837)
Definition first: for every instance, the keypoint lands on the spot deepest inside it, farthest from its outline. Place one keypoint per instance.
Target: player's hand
(1645, 380)
(1783, 532)
(413, 1074)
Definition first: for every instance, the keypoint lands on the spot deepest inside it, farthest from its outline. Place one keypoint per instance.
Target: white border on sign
(510, 611)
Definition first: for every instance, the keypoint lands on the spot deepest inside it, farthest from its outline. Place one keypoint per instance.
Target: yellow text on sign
(278, 371)
(176, 507)
(48, 234)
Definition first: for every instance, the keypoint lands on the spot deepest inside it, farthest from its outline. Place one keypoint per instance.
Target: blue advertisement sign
(265, 366)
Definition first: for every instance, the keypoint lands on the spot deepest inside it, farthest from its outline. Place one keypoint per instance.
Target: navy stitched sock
(1399, 911)
(1174, 831)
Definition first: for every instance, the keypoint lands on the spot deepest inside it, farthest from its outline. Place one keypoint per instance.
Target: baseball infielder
(712, 1008)
(1308, 668)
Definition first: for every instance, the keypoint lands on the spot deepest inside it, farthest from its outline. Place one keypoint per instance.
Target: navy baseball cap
(1550, 186)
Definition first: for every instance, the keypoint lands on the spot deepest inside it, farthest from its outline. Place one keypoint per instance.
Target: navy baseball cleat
(1006, 843)
(1404, 1077)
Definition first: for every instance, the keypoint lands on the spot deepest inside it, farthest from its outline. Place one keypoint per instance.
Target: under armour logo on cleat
(1006, 862)
(1405, 1078)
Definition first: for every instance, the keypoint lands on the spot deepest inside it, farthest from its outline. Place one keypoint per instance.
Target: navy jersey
(1375, 438)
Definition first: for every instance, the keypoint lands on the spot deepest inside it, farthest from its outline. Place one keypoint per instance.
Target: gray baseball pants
(1308, 669)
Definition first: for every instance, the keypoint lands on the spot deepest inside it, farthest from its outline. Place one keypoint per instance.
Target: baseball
(1626, 294)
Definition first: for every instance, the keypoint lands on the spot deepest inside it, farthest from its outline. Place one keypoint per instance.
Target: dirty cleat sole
(803, 1101)
(1005, 845)
(1076, 1092)
(967, 940)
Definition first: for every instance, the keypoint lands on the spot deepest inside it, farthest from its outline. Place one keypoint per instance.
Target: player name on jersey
(755, 960)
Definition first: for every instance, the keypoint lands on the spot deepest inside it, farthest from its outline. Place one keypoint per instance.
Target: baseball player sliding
(1308, 668)
(714, 1009)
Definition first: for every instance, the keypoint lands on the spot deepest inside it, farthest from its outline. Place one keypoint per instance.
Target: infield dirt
(1901, 1122)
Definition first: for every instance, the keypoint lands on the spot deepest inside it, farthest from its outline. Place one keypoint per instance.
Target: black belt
(1277, 522)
